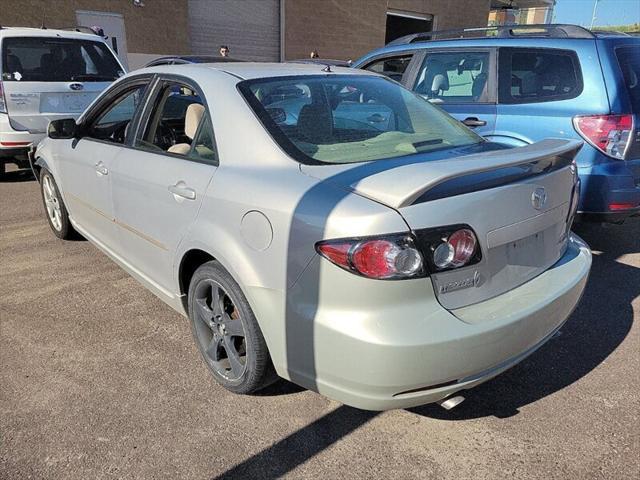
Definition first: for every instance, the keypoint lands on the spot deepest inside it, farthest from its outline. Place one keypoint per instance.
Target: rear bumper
(403, 351)
(15, 142)
(611, 182)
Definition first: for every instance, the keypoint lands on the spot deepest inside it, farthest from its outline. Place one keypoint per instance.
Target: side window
(538, 75)
(178, 124)
(392, 67)
(454, 77)
(112, 124)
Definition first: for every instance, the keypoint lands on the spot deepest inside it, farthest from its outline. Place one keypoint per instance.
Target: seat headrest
(315, 123)
(194, 114)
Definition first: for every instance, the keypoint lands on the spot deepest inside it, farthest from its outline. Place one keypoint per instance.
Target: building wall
(346, 29)
(160, 27)
(250, 28)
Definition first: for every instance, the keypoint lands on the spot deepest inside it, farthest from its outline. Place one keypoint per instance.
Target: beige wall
(161, 26)
(349, 28)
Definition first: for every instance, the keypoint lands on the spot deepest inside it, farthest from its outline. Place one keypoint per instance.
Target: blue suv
(519, 84)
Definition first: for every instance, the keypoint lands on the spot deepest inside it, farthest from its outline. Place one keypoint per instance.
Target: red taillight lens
(611, 134)
(392, 257)
(455, 251)
(622, 206)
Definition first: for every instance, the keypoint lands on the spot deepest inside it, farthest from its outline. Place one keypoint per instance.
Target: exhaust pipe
(451, 402)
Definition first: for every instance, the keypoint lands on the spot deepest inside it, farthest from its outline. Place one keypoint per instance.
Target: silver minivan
(47, 75)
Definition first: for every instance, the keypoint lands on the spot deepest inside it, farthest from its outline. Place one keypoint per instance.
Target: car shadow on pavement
(599, 324)
(15, 176)
(295, 449)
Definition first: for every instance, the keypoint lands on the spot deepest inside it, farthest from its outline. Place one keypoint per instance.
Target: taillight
(398, 256)
(448, 248)
(456, 250)
(390, 257)
(3, 104)
(611, 134)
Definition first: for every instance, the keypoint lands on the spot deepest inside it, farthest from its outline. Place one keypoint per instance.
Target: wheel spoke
(212, 348)
(233, 327)
(234, 357)
(204, 312)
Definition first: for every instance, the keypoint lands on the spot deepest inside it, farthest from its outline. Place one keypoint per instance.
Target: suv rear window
(538, 75)
(42, 59)
(629, 60)
(350, 118)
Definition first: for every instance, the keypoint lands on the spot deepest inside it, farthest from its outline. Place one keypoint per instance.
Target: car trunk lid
(517, 201)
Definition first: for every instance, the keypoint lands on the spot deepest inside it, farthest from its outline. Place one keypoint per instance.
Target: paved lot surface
(99, 379)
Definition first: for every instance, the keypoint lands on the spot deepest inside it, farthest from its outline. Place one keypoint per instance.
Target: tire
(54, 207)
(228, 325)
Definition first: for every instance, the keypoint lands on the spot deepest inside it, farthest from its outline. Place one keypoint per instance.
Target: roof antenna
(327, 69)
(43, 27)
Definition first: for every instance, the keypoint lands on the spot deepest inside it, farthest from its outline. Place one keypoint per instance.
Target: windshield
(350, 118)
(42, 59)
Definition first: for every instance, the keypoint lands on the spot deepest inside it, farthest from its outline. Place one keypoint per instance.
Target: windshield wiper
(90, 76)
(426, 143)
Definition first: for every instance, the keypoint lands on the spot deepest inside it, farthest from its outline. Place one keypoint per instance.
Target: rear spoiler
(405, 185)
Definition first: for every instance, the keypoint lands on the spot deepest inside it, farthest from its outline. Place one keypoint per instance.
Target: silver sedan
(324, 225)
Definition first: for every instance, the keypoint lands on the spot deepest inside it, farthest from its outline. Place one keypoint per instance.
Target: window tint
(540, 75)
(454, 77)
(111, 125)
(42, 59)
(629, 60)
(392, 67)
(178, 117)
(350, 118)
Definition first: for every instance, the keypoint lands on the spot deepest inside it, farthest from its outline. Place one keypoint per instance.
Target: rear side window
(454, 77)
(629, 60)
(42, 59)
(392, 67)
(538, 75)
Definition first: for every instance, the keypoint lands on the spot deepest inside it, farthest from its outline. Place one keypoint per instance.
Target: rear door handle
(101, 169)
(181, 190)
(474, 122)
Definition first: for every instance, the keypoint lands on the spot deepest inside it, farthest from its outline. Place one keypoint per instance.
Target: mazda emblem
(539, 198)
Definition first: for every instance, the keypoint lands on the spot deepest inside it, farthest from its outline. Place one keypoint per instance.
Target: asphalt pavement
(99, 379)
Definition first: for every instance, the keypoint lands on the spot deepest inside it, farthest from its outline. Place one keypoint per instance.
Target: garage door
(251, 28)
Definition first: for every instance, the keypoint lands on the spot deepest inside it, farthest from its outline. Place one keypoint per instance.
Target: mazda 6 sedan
(324, 225)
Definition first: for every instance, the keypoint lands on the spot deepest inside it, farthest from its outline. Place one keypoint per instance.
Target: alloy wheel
(52, 203)
(219, 330)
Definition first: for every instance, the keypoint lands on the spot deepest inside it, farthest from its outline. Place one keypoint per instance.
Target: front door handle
(101, 169)
(181, 190)
(474, 122)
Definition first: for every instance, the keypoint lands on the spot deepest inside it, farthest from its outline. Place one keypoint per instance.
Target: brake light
(3, 104)
(611, 134)
(622, 206)
(385, 258)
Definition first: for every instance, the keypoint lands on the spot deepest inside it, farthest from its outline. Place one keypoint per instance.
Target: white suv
(47, 75)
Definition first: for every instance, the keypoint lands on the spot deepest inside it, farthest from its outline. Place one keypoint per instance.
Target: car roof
(47, 32)
(253, 70)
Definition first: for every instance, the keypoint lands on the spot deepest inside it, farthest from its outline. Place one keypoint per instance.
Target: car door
(85, 168)
(159, 184)
(463, 83)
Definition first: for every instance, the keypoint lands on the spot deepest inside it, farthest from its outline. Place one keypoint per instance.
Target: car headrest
(194, 114)
(315, 123)
(13, 64)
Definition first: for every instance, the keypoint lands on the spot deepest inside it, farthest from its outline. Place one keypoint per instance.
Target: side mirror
(62, 129)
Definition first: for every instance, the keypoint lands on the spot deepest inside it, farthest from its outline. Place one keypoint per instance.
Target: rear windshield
(41, 59)
(629, 60)
(349, 118)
